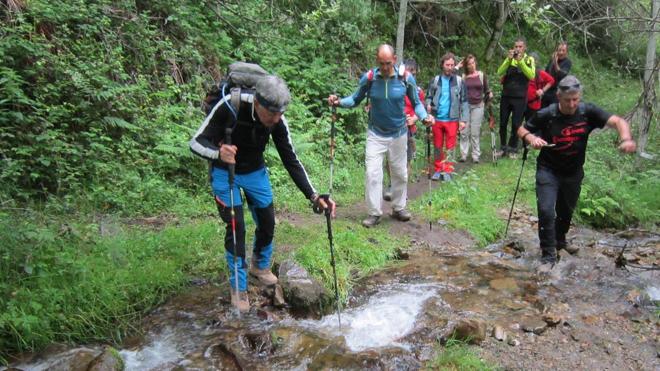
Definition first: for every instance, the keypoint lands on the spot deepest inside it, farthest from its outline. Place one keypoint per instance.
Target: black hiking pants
(556, 197)
(514, 107)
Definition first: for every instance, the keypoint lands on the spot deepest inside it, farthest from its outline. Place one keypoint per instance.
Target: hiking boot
(371, 221)
(436, 176)
(387, 195)
(462, 159)
(264, 276)
(402, 215)
(240, 300)
(568, 248)
(446, 177)
(475, 160)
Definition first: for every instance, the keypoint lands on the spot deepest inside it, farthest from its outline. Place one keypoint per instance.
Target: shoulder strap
(481, 77)
(370, 81)
(235, 93)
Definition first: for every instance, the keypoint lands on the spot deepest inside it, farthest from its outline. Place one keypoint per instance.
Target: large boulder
(304, 294)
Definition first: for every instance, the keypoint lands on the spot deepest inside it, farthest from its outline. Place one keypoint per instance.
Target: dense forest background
(98, 100)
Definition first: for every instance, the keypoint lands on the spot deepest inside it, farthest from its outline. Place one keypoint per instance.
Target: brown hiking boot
(568, 248)
(402, 215)
(371, 221)
(264, 276)
(240, 300)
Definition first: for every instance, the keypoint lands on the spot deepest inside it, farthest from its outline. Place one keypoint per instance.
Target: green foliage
(71, 285)
(471, 201)
(358, 251)
(458, 356)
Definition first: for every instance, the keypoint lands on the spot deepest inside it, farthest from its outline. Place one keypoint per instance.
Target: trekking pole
(428, 157)
(493, 139)
(506, 231)
(332, 260)
(332, 145)
(232, 168)
(328, 212)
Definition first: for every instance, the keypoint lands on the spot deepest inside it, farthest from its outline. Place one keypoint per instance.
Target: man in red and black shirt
(561, 132)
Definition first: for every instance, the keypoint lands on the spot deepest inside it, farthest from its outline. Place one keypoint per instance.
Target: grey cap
(569, 84)
(273, 93)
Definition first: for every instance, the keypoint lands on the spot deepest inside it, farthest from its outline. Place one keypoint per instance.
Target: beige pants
(395, 149)
(472, 131)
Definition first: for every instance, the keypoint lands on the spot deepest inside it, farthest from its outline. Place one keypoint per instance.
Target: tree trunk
(401, 30)
(649, 94)
(502, 10)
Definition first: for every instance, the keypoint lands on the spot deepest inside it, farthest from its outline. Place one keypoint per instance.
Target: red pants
(444, 135)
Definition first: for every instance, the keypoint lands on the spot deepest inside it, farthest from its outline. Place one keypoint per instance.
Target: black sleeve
(596, 116)
(206, 141)
(284, 145)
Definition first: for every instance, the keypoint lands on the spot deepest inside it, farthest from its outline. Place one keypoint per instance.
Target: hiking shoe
(475, 160)
(240, 300)
(264, 276)
(462, 159)
(446, 177)
(402, 215)
(387, 195)
(371, 221)
(436, 176)
(568, 248)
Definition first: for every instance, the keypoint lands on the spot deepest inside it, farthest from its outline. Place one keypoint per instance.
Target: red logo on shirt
(569, 135)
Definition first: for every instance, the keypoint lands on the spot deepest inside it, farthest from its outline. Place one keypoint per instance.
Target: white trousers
(395, 149)
(470, 135)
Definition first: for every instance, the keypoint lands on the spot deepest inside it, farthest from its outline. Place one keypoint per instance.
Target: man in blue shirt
(387, 132)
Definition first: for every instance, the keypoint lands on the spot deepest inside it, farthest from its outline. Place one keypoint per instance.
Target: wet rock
(278, 297)
(472, 331)
(267, 315)
(259, 343)
(499, 333)
(304, 294)
(534, 325)
(552, 319)
(228, 358)
(402, 254)
(78, 359)
(504, 284)
(109, 360)
(513, 342)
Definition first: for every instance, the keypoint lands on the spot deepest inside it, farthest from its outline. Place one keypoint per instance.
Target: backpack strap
(235, 99)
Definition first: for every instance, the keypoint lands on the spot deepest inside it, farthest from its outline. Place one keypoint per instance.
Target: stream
(396, 318)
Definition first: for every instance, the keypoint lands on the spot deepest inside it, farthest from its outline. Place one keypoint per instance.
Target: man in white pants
(385, 87)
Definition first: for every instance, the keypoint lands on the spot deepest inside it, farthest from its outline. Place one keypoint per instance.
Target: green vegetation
(358, 250)
(457, 356)
(98, 100)
(474, 201)
(71, 284)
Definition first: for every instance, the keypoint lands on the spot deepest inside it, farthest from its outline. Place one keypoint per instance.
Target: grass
(358, 251)
(457, 356)
(473, 200)
(72, 286)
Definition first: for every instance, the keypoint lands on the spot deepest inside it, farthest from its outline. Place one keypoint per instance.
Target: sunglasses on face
(569, 87)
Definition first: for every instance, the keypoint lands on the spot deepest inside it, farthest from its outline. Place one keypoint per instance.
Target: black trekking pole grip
(231, 167)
